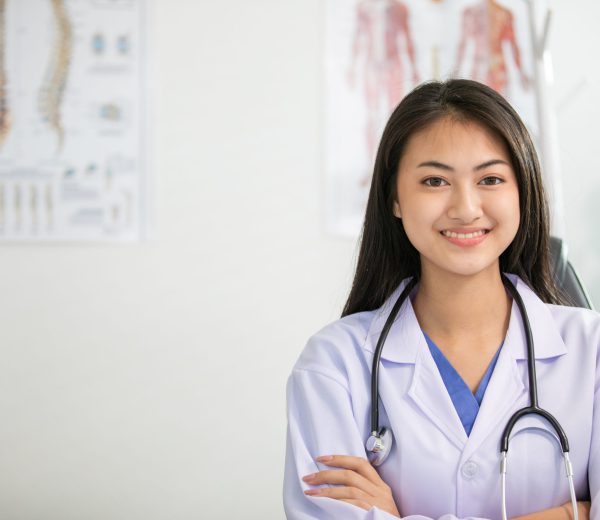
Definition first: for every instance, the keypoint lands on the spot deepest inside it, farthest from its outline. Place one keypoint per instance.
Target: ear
(397, 212)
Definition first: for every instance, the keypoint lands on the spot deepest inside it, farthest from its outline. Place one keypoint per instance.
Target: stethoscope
(380, 442)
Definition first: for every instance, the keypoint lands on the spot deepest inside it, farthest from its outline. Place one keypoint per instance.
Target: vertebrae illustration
(53, 88)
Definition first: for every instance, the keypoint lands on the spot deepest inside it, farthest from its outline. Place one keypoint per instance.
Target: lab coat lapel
(406, 344)
(507, 390)
(430, 394)
(501, 398)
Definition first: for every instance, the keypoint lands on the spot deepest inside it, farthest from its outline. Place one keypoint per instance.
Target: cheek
(419, 216)
(505, 212)
(508, 210)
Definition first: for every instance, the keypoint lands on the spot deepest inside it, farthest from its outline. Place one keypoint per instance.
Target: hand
(583, 508)
(564, 512)
(358, 483)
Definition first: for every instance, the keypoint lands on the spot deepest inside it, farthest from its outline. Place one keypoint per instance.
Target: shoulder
(571, 323)
(576, 324)
(501, 14)
(337, 349)
(575, 317)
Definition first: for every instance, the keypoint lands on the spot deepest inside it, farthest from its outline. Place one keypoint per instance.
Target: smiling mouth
(475, 234)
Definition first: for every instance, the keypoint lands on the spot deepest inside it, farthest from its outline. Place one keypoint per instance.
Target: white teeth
(451, 234)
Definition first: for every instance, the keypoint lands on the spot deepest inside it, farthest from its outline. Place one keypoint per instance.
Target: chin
(466, 269)
(472, 272)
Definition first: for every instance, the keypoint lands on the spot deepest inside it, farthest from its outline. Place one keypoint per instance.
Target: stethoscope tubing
(379, 348)
(532, 409)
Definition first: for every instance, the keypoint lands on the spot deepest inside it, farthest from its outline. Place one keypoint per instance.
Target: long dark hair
(386, 255)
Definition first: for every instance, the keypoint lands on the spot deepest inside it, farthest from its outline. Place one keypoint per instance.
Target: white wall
(147, 381)
(575, 45)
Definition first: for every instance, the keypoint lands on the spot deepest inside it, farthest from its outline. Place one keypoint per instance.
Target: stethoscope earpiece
(379, 446)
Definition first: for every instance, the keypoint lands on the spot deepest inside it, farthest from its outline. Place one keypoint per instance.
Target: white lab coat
(434, 469)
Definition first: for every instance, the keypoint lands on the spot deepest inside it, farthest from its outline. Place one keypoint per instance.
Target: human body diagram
(389, 54)
(489, 25)
(381, 38)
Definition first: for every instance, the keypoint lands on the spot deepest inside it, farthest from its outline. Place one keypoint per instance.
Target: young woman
(456, 211)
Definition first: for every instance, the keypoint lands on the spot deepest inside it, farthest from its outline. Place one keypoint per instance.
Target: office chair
(565, 275)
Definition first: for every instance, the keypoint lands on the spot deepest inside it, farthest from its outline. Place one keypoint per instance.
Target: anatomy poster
(376, 51)
(72, 162)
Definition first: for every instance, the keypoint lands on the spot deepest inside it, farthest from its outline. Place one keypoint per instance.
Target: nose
(465, 205)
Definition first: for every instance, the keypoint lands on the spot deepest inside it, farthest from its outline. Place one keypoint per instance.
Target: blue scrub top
(466, 404)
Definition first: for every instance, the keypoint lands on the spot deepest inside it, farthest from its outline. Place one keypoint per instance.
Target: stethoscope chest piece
(379, 446)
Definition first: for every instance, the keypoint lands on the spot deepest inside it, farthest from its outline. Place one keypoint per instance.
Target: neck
(453, 306)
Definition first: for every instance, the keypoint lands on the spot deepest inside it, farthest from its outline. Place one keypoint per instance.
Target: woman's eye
(492, 181)
(434, 181)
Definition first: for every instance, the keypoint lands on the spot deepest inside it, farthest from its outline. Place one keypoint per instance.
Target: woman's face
(458, 197)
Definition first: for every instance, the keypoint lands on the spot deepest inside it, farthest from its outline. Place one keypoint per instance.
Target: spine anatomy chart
(72, 129)
(53, 89)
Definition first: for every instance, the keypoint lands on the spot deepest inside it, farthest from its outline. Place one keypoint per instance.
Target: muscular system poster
(376, 51)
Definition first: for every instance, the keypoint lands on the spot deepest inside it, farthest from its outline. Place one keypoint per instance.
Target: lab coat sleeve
(594, 460)
(321, 422)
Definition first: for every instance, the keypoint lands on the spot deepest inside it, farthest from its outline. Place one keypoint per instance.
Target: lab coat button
(469, 469)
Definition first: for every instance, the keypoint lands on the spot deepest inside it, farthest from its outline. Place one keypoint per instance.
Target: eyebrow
(442, 166)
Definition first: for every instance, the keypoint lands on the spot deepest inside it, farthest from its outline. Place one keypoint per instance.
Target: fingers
(358, 503)
(340, 493)
(354, 501)
(338, 477)
(356, 483)
(583, 508)
(353, 496)
(360, 465)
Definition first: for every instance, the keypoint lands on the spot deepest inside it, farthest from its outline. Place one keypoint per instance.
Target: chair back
(566, 276)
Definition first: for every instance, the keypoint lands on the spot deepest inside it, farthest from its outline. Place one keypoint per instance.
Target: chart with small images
(73, 114)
